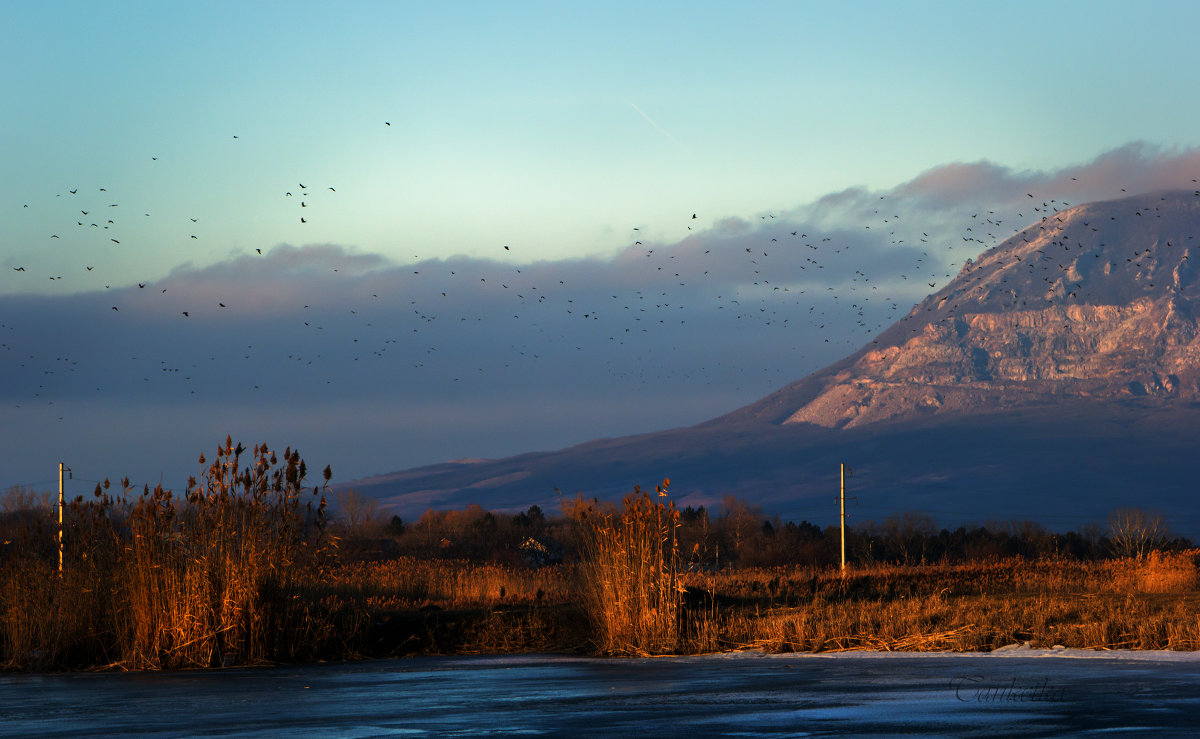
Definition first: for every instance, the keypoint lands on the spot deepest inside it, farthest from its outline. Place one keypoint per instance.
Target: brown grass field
(243, 569)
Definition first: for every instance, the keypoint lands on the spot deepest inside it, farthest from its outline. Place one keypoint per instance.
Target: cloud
(1132, 168)
(953, 184)
(374, 366)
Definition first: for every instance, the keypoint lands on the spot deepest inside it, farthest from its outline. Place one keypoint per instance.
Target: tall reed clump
(52, 617)
(212, 582)
(629, 573)
(1158, 572)
(218, 576)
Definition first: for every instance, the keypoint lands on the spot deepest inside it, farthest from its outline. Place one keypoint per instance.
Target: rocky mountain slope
(1057, 377)
(1098, 301)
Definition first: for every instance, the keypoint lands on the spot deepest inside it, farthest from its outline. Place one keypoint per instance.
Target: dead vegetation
(156, 581)
(1112, 604)
(628, 573)
(246, 568)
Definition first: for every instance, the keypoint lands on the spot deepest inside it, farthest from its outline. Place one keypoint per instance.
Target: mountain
(1097, 301)
(1055, 378)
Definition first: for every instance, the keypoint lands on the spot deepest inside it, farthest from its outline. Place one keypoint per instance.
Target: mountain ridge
(1075, 342)
(1103, 329)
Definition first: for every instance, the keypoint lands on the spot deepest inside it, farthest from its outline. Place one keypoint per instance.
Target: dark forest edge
(251, 566)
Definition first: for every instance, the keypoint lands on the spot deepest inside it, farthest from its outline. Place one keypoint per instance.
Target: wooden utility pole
(61, 505)
(841, 498)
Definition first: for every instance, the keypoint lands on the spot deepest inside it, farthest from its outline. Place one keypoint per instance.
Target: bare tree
(18, 499)
(909, 534)
(356, 511)
(739, 519)
(1135, 533)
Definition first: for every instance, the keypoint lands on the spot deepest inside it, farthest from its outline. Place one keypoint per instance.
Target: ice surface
(1017, 691)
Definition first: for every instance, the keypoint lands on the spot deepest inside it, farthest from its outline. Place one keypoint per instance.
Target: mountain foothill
(1055, 378)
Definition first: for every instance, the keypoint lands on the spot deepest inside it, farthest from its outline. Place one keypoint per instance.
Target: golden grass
(239, 571)
(629, 574)
(409, 583)
(1131, 603)
(1165, 572)
(158, 582)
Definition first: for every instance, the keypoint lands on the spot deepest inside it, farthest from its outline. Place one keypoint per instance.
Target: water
(1019, 693)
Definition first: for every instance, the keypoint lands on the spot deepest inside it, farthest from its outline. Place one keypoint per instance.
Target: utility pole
(842, 498)
(61, 505)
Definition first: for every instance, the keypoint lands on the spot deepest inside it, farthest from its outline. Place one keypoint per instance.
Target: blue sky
(555, 129)
(515, 123)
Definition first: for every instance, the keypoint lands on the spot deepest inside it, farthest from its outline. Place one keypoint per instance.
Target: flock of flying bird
(1089, 255)
(774, 280)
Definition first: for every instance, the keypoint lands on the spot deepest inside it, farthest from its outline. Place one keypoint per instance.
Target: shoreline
(1014, 651)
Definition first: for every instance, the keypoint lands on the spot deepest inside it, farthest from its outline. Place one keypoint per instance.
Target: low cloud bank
(379, 366)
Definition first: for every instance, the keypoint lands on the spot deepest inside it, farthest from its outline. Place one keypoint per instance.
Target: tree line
(738, 534)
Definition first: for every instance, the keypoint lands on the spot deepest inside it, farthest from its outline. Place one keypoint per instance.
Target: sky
(395, 234)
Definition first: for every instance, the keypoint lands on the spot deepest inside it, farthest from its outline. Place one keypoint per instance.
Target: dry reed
(409, 583)
(240, 570)
(1136, 603)
(158, 582)
(629, 574)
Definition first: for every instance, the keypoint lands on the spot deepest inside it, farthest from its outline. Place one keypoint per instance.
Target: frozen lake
(1009, 693)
